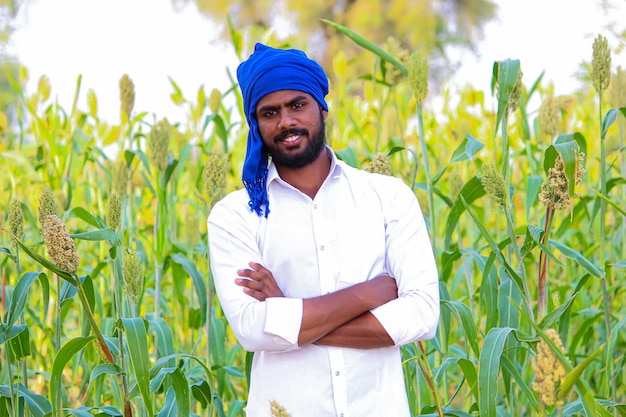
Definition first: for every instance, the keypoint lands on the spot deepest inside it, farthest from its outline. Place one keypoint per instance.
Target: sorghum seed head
(60, 245)
(455, 184)
(133, 274)
(214, 100)
(16, 219)
(555, 191)
(379, 165)
(418, 76)
(158, 144)
(47, 204)
(214, 176)
(494, 185)
(114, 212)
(549, 117)
(278, 410)
(549, 372)
(393, 75)
(120, 178)
(601, 64)
(127, 94)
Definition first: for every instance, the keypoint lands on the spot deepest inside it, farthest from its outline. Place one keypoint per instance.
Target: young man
(321, 269)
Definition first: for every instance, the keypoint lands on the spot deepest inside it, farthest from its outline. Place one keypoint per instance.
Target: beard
(313, 148)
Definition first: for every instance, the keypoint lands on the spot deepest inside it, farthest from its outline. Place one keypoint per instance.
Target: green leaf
(467, 149)
(63, 356)
(505, 74)
(96, 235)
(197, 279)
(488, 368)
(83, 214)
(20, 295)
(201, 392)
(9, 253)
(180, 385)
(348, 155)
(515, 277)
(578, 257)
(471, 191)
(137, 338)
(103, 369)
(38, 405)
(573, 375)
(370, 46)
(533, 186)
(163, 336)
(20, 343)
(607, 121)
(463, 313)
(615, 205)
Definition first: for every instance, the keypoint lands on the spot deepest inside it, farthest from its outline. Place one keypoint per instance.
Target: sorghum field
(107, 301)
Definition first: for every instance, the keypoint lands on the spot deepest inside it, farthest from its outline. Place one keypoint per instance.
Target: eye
(268, 114)
(298, 106)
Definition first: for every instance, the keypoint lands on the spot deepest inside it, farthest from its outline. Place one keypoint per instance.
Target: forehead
(281, 97)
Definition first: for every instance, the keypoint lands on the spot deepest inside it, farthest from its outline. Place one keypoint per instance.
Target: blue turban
(266, 71)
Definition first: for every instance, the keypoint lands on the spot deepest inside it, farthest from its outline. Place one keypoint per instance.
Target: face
(291, 124)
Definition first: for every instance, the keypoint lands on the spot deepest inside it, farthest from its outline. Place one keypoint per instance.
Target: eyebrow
(289, 104)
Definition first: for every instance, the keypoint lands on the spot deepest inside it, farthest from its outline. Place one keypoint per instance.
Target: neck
(307, 179)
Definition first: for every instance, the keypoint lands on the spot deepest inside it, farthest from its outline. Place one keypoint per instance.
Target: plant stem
(542, 282)
(603, 277)
(431, 208)
(428, 375)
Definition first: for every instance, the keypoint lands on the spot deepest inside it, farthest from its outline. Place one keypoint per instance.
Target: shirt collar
(336, 168)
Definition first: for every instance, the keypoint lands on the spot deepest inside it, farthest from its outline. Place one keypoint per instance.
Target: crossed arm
(341, 318)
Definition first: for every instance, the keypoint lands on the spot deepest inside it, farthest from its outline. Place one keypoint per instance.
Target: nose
(286, 120)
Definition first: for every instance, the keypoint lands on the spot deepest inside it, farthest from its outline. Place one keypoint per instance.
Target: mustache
(282, 135)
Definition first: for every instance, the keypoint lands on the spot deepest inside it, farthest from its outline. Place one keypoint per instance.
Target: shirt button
(322, 247)
(315, 206)
(341, 415)
(337, 373)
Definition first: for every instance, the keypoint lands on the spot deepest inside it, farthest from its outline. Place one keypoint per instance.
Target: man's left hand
(258, 282)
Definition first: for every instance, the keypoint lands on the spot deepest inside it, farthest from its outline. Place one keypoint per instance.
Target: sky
(151, 42)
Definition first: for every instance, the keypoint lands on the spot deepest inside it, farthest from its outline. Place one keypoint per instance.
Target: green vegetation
(108, 307)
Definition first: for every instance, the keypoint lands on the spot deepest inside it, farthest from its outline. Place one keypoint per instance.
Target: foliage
(137, 330)
(430, 26)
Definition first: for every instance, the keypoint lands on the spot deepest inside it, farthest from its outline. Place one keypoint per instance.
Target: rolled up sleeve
(271, 325)
(414, 315)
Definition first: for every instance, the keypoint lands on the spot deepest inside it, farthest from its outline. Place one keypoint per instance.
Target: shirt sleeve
(272, 325)
(414, 315)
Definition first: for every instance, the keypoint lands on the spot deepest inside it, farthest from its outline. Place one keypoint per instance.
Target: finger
(251, 284)
(255, 294)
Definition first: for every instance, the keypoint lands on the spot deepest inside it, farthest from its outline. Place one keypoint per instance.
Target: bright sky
(150, 41)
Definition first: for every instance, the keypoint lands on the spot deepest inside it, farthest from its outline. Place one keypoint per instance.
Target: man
(321, 269)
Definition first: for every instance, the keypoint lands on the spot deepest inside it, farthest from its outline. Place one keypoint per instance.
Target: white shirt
(358, 226)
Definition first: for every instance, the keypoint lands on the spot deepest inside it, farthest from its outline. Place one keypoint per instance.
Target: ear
(324, 113)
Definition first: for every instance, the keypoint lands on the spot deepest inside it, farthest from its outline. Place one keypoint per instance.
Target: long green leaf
(578, 257)
(20, 295)
(488, 368)
(463, 313)
(370, 46)
(505, 74)
(197, 279)
(38, 405)
(63, 356)
(135, 330)
(96, 235)
(471, 191)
